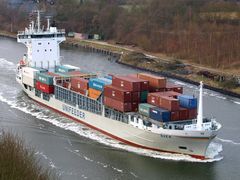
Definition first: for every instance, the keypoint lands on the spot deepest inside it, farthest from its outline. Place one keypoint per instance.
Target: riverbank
(133, 57)
(8, 34)
(17, 161)
(162, 65)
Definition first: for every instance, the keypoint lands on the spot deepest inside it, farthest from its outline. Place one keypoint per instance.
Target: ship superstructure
(142, 110)
(42, 44)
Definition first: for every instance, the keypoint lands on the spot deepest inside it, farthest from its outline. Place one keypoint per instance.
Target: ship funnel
(200, 108)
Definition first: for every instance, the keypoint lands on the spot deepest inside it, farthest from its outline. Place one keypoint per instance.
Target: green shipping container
(64, 69)
(143, 96)
(144, 109)
(44, 78)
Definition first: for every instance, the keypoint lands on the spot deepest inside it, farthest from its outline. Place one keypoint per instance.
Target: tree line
(205, 32)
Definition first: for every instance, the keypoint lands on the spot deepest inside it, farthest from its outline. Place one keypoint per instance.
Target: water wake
(236, 102)
(7, 64)
(26, 105)
(228, 141)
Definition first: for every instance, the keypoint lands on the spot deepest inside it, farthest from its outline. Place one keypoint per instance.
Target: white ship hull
(193, 143)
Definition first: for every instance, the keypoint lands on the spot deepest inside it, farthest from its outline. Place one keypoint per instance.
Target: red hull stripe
(115, 137)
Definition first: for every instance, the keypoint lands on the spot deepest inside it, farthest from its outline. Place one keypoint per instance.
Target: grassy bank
(19, 162)
(159, 63)
(8, 34)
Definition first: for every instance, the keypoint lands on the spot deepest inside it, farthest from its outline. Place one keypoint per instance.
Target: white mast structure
(43, 49)
(200, 108)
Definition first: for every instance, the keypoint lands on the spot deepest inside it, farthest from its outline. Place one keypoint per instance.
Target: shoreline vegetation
(188, 39)
(214, 79)
(17, 161)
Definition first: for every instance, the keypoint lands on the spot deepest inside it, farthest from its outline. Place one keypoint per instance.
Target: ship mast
(38, 21)
(200, 108)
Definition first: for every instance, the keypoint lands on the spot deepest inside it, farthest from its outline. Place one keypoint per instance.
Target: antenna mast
(200, 108)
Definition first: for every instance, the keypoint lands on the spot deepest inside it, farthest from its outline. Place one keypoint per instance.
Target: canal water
(74, 151)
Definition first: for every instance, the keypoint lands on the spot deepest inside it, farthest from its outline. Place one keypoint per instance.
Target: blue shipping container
(98, 84)
(186, 101)
(108, 77)
(159, 114)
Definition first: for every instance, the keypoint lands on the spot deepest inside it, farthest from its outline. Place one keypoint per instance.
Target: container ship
(142, 110)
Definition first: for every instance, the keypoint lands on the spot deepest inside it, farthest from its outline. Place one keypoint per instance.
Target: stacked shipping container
(126, 89)
(79, 85)
(44, 82)
(181, 107)
(164, 103)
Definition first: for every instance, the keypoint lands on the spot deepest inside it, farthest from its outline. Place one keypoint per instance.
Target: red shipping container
(169, 103)
(192, 113)
(79, 83)
(143, 83)
(135, 106)
(153, 89)
(173, 87)
(117, 93)
(118, 105)
(83, 92)
(183, 114)
(165, 102)
(75, 73)
(49, 89)
(133, 75)
(175, 116)
(136, 97)
(154, 81)
(126, 83)
(66, 85)
(172, 94)
(152, 99)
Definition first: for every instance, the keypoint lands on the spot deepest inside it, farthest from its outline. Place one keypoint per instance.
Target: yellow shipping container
(93, 93)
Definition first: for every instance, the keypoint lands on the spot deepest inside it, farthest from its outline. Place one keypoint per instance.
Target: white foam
(214, 150)
(236, 102)
(228, 141)
(52, 165)
(7, 64)
(118, 170)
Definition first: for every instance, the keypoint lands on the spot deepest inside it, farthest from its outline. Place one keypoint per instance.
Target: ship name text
(73, 111)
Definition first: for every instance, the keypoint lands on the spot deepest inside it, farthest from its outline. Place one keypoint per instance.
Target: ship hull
(173, 141)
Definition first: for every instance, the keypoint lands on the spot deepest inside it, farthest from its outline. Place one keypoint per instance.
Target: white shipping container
(71, 67)
(28, 71)
(28, 80)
